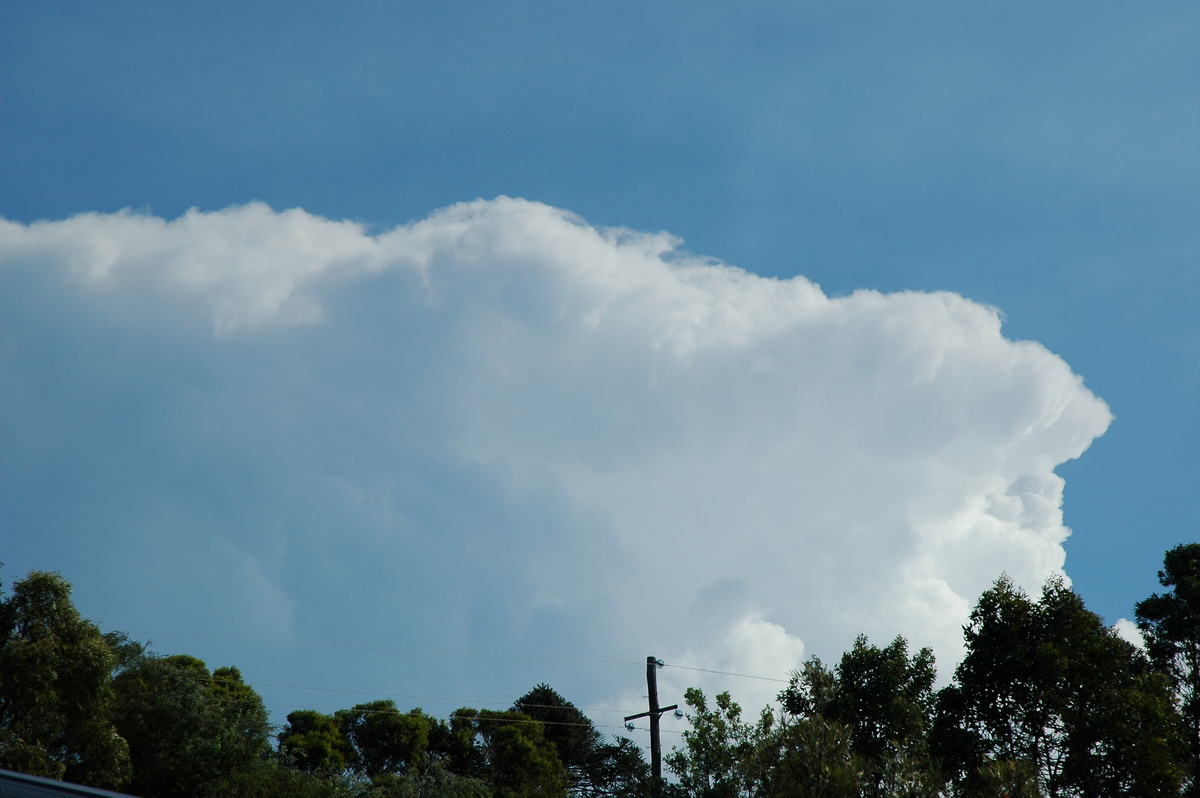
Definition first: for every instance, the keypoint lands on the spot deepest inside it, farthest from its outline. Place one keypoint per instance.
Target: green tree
(1007, 778)
(886, 697)
(811, 749)
(1170, 624)
(594, 767)
(190, 732)
(572, 733)
(458, 744)
(1047, 687)
(811, 757)
(801, 751)
(313, 742)
(382, 739)
(269, 778)
(55, 688)
(618, 771)
(518, 760)
(721, 752)
(429, 778)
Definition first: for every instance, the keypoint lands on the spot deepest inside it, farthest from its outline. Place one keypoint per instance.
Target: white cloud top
(543, 436)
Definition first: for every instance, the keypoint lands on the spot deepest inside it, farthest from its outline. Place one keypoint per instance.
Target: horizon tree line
(1048, 702)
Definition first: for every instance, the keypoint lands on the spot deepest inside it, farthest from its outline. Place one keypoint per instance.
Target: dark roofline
(22, 785)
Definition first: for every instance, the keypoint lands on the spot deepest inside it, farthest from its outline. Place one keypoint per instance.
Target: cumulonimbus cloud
(578, 423)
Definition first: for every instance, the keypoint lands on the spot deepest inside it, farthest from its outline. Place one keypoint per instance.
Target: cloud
(1127, 630)
(242, 266)
(501, 429)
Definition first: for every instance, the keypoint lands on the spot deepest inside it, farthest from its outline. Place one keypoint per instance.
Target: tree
(1047, 688)
(55, 688)
(430, 778)
(382, 739)
(572, 733)
(457, 743)
(190, 731)
(812, 750)
(618, 771)
(594, 767)
(376, 751)
(313, 742)
(1005, 777)
(811, 757)
(885, 699)
(270, 778)
(801, 751)
(1170, 624)
(720, 751)
(519, 762)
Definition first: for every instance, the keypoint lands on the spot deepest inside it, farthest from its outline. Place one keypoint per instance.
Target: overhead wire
(490, 719)
(426, 697)
(205, 678)
(726, 673)
(392, 649)
(450, 653)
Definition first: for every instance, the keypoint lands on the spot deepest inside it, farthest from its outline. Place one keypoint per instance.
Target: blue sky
(510, 428)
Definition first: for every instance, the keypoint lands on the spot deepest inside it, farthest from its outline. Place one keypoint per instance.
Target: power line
(727, 673)
(490, 719)
(450, 653)
(391, 649)
(422, 697)
(211, 678)
(205, 679)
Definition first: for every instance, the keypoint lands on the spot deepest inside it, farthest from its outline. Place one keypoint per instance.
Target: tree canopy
(1048, 702)
(56, 688)
(1047, 690)
(1170, 624)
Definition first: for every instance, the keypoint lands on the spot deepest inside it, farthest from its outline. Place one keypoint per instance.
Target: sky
(435, 350)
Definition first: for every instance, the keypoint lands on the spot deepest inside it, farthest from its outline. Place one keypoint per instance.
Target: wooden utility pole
(652, 666)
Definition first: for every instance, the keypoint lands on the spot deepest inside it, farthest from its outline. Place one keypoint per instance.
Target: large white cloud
(525, 433)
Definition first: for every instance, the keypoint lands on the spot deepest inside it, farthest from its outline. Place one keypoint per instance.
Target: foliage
(313, 742)
(270, 778)
(884, 698)
(617, 770)
(800, 752)
(572, 733)
(863, 727)
(811, 757)
(190, 732)
(1047, 702)
(1046, 686)
(813, 749)
(1005, 777)
(55, 688)
(1170, 624)
(381, 738)
(593, 767)
(720, 751)
(518, 759)
(428, 778)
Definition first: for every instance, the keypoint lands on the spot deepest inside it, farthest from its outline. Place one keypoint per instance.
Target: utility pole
(652, 666)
